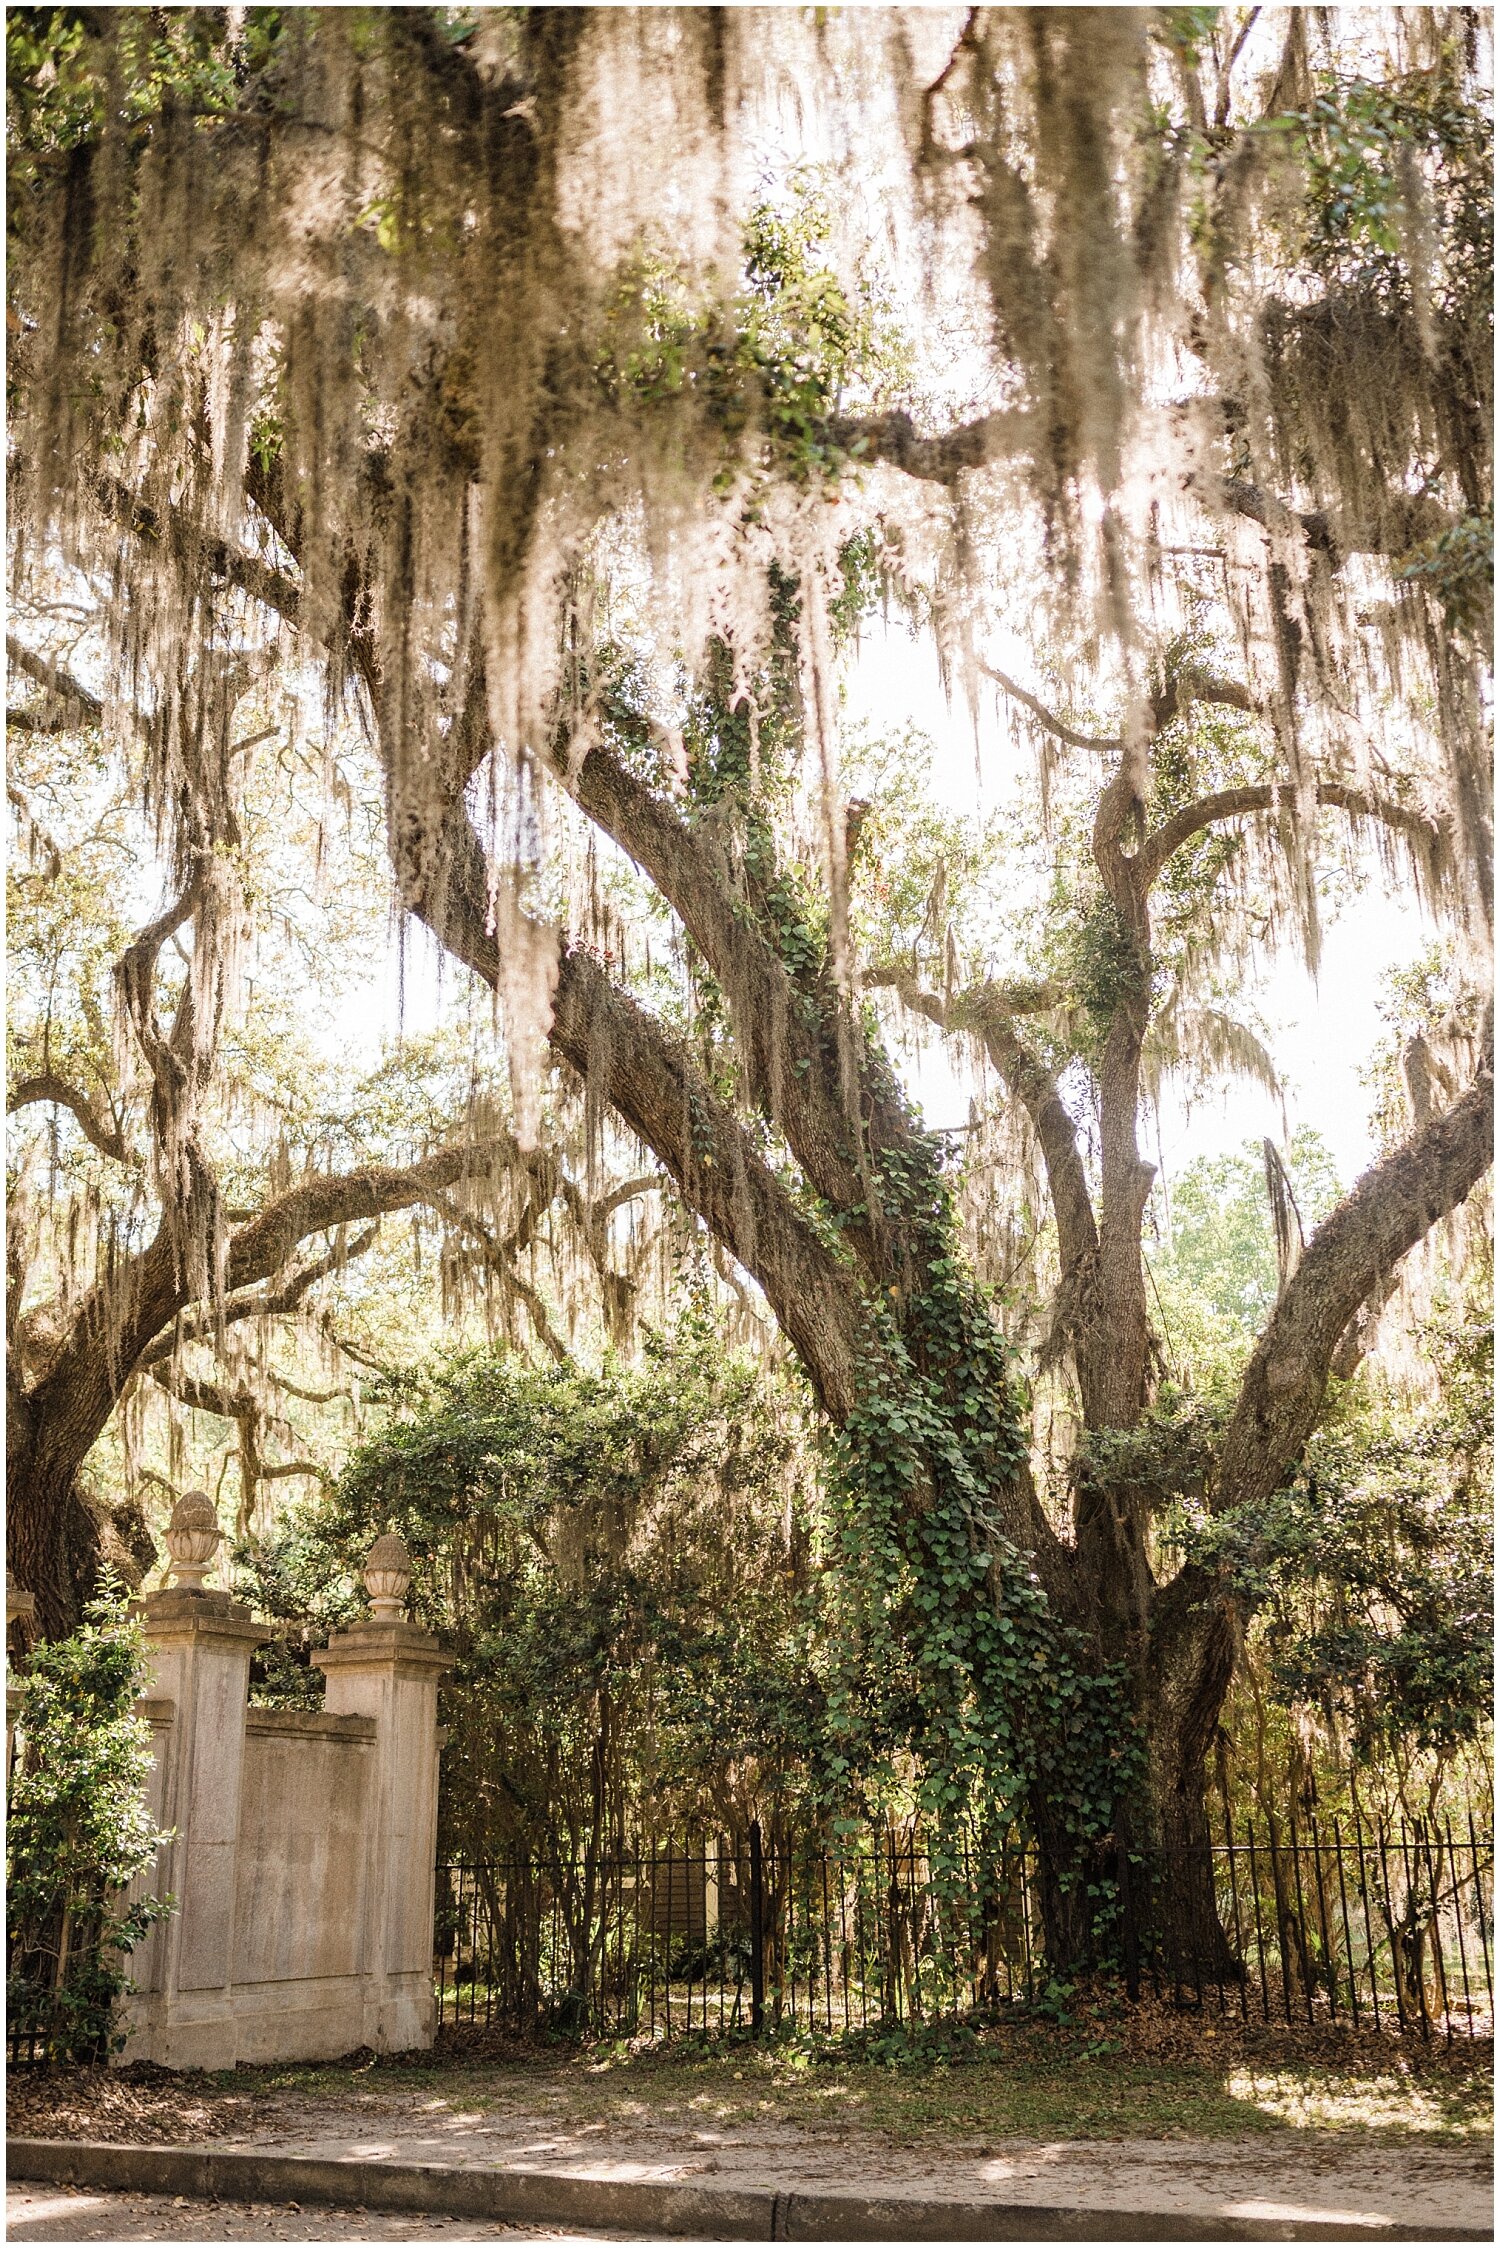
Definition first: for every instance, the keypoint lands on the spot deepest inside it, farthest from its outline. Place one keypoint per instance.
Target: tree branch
(1103, 745)
(1404, 520)
(107, 1138)
(786, 1027)
(54, 678)
(118, 1320)
(1266, 796)
(1391, 1208)
(269, 1303)
(499, 1263)
(1413, 519)
(32, 828)
(184, 539)
(893, 439)
(987, 1010)
(629, 1061)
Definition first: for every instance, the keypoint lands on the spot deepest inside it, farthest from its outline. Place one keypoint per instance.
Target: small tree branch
(1409, 519)
(1267, 796)
(262, 581)
(893, 440)
(46, 1087)
(308, 1396)
(1102, 745)
(1392, 1207)
(1403, 521)
(497, 1261)
(257, 1303)
(1221, 103)
(359, 1354)
(986, 1011)
(54, 679)
(32, 828)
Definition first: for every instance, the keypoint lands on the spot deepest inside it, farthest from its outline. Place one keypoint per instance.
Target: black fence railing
(1297, 1920)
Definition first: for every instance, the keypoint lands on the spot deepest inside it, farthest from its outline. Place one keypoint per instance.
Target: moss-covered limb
(1393, 1206)
(60, 686)
(279, 1300)
(988, 1010)
(1429, 834)
(940, 458)
(629, 1061)
(788, 1027)
(62, 1392)
(253, 1421)
(107, 1137)
(199, 550)
(1393, 525)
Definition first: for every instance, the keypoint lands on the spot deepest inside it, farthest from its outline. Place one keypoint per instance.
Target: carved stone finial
(193, 1536)
(387, 1575)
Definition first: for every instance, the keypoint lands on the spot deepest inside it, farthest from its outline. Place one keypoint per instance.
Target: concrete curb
(636, 2205)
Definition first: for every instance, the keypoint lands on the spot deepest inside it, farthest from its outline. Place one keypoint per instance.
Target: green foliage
(1215, 1271)
(780, 357)
(1457, 567)
(616, 1558)
(1360, 142)
(920, 869)
(78, 1833)
(1373, 1569)
(175, 59)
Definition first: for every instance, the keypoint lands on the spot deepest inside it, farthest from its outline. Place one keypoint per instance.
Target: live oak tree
(1157, 906)
(438, 339)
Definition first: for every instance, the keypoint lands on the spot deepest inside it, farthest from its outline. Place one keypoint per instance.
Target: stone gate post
(388, 1669)
(199, 1643)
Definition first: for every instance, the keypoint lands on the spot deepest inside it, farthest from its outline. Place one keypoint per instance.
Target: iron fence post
(757, 1934)
(1127, 1914)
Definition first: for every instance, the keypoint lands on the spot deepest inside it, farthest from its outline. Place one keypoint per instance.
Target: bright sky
(1322, 1033)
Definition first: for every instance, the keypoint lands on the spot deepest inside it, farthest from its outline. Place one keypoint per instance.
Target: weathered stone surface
(302, 1851)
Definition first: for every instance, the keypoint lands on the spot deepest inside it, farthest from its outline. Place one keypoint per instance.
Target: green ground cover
(1039, 2092)
(1128, 2074)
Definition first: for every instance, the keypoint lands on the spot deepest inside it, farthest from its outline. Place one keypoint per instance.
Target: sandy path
(1328, 2175)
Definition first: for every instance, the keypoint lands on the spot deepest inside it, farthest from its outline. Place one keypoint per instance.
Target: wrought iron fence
(1332, 1921)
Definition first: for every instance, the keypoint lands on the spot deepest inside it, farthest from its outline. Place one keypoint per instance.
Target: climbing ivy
(963, 1683)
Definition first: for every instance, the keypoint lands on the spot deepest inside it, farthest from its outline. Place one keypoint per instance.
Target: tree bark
(78, 1374)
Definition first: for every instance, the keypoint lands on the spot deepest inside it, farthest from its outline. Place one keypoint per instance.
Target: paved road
(42, 2212)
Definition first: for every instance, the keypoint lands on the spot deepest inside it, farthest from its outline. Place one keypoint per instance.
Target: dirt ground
(1208, 2119)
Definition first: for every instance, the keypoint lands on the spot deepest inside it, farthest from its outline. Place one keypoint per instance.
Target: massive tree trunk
(52, 1537)
(1175, 1643)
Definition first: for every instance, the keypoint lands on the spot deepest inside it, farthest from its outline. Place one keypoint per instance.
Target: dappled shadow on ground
(1111, 2071)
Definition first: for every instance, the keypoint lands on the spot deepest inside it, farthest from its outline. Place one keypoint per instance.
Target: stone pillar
(389, 1669)
(199, 1643)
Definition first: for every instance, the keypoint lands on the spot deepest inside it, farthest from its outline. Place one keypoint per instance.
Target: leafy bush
(79, 1832)
(619, 1560)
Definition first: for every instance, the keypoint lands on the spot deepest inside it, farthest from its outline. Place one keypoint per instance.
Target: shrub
(79, 1832)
